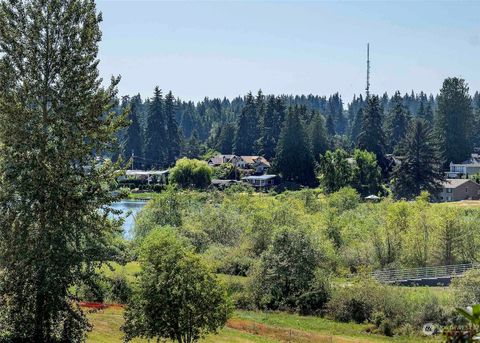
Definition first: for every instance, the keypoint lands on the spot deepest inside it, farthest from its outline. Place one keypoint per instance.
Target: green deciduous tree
(286, 270)
(294, 159)
(189, 173)
(366, 174)
(421, 168)
(55, 118)
(178, 297)
(454, 120)
(334, 171)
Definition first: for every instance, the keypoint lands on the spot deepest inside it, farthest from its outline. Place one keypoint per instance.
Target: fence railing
(402, 275)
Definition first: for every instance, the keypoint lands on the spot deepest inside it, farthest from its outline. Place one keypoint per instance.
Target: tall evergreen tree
(372, 137)
(174, 141)
(356, 128)
(279, 118)
(421, 169)
(155, 133)
(454, 120)
(270, 120)
(398, 121)
(247, 128)
(294, 159)
(261, 108)
(226, 139)
(55, 119)
(330, 125)
(133, 144)
(318, 136)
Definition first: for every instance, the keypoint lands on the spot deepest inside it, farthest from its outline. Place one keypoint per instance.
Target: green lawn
(252, 326)
(258, 327)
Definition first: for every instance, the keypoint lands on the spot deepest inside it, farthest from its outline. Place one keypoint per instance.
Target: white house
(261, 181)
(466, 168)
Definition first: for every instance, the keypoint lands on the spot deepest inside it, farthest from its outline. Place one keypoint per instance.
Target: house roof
(454, 183)
(145, 172)
(255, 159)
(220, 159)
(260, 177)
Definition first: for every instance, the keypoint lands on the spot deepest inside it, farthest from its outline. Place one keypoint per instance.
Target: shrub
(286, 270)
(314, 300)
(467, 288)
(120, 291)
(355, 302)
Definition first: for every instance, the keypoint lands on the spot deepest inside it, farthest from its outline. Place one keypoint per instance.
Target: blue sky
(219, 49)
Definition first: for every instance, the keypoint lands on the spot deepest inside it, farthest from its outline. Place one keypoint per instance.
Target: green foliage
(286, 269)
(372, 137)
(467, 288)
(173, 132)
(398, 122)
(155, 133)
(55, 119)
(247, 128)
(317, 134)
(134, 136)
(366, 174)
(163, 210)
(454, 120)
(189, 173)
(271, 126)
(178, 298)
(294, 159)
(225, 171)
(420, 170)
(392, 310)
(334, 171)
(226, 139)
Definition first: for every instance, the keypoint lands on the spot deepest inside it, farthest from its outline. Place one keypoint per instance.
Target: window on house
(466, 190)
(449, 190)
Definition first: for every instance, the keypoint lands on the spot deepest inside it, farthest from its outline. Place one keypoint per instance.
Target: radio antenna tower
(368, 71)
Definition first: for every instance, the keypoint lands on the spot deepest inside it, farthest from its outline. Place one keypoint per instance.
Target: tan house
(459, 189)
(259, 164)
(215, 161)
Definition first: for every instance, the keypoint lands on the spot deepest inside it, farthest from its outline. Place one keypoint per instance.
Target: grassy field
(141, 196)
(259, 327)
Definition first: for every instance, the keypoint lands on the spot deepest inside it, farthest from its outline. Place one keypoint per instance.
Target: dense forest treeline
(165, 128)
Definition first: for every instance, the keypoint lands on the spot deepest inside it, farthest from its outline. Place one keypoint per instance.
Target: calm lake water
(130, 209)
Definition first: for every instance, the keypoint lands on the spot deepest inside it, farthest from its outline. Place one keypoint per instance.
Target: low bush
(392, 310)
(466, 289)
(119, 290)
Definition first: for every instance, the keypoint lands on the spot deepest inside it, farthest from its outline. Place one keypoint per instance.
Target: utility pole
(368, 71)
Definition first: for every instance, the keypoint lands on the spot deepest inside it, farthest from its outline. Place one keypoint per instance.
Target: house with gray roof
(459, 189)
